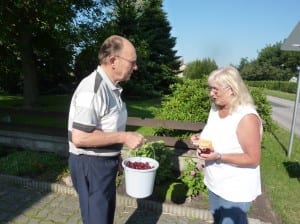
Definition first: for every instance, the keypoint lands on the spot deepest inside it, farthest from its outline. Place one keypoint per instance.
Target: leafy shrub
(157, 150)
(192, 177)
(189, 101)
(197, 69)
(4, 151)
(263, 107)
(26, 163)
(284, 86)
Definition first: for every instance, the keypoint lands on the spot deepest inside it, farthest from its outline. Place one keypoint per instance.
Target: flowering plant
(192, 177)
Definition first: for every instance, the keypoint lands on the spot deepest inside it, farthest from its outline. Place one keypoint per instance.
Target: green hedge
(284, 86)
(189, 101)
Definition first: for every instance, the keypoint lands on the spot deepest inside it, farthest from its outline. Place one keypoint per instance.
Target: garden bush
(189, 101)
(284, 86)
(263, 107)
(47, 166)
(192, 177)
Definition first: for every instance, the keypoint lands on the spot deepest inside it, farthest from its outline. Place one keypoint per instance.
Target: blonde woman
(234, 128)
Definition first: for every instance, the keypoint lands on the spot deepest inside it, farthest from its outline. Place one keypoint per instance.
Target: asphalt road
(282, 113)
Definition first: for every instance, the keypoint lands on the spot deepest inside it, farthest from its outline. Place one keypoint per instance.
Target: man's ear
(112, 61)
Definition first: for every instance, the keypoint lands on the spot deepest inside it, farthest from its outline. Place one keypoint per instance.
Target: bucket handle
(153, 150)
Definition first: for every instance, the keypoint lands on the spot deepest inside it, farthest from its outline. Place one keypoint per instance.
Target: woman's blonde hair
(229, 77)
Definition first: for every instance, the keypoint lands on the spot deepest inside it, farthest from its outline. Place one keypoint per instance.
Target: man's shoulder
(91, 82)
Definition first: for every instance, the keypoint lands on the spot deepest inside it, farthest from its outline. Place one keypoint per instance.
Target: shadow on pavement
(15, 200)
(23, 204)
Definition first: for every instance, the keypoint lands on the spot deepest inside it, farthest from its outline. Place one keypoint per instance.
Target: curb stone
(165, 208)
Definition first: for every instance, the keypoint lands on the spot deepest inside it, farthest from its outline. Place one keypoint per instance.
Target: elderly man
(97, 120)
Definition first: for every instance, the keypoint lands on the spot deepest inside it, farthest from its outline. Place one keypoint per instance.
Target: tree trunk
(30, 91)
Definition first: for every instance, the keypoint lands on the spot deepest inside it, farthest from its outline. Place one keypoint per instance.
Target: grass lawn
(280, 174)
(288, 96)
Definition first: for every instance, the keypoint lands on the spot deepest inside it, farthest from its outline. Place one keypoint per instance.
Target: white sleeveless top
(233, 183)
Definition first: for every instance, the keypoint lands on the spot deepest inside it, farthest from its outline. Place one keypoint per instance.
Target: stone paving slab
(26, 201)
(21, 204)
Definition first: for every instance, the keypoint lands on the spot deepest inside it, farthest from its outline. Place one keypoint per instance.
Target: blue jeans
(227, 212)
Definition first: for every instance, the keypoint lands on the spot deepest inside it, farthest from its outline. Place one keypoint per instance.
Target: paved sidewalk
(25, 201)
(22, 204)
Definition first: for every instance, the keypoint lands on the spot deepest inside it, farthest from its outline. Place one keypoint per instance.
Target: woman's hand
(195, 139)
(207, 156)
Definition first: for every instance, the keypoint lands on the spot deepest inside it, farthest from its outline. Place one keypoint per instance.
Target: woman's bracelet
(219, 158)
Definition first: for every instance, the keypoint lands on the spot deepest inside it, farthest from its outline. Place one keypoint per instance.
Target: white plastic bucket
(140, 183)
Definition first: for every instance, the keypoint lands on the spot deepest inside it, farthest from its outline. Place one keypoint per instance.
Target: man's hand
(133, 140)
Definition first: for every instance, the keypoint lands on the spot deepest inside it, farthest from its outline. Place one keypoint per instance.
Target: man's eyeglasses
(133, 63)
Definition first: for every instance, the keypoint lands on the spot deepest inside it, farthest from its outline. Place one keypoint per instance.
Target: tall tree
(198, 68)
(39, 38)
(155, 29)
(145, 23)
(271, 64)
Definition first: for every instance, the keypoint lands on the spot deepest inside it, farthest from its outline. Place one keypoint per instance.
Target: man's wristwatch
(219, 158)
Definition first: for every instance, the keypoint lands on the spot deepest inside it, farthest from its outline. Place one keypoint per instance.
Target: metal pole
(294, 115)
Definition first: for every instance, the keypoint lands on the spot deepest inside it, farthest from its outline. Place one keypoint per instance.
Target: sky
(228, 30)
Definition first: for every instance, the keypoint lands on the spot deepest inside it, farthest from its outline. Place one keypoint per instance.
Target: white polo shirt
(97, 104)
